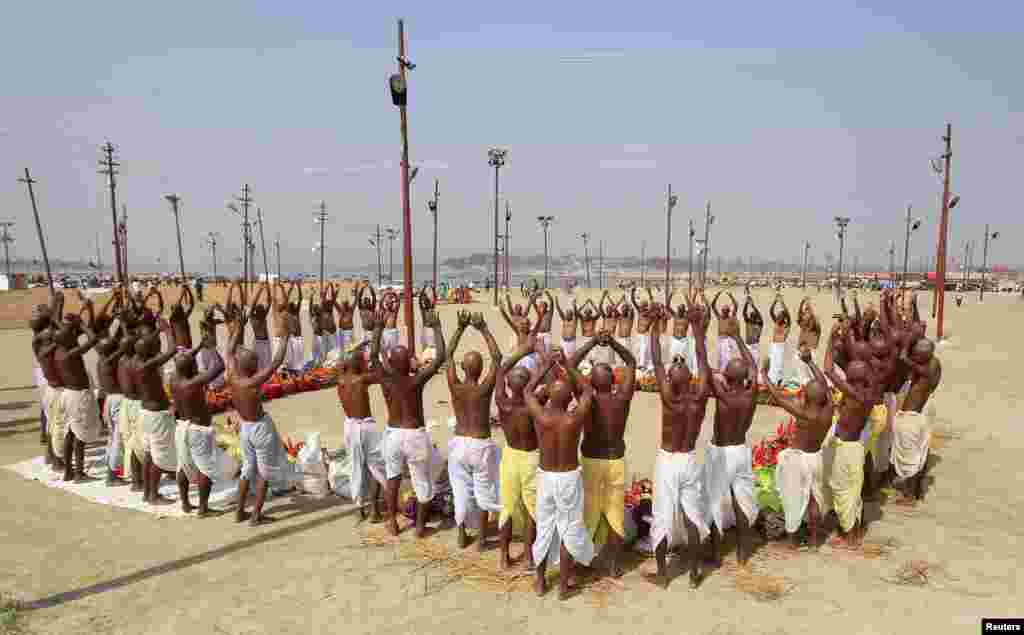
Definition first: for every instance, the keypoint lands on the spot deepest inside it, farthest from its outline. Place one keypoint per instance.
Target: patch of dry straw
(916, 573)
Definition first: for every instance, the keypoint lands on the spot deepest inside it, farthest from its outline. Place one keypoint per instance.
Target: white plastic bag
(312, 468)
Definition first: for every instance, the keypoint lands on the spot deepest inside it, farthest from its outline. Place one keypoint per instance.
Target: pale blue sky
(783, 114)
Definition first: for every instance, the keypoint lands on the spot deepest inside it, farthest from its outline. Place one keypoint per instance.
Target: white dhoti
(56, 422)
(131, 431)
(804, 374)
(755, 353)
(389, 339)
(568, 347)
(560, 518)
(798, 476)
(363, 440)
(316, 351)
(776, 361)
(529, 362)
(727, 351)
(111, 416)
(328, 342)
(410, 447)
(680, 349)
(473, 473)
(345, 338)
(678, 494)
(198, 452)
(262, 349)
(294, 357)
(911, 438)
(644, 358)
(728, 475)
(263, 452)
(158, 429)
(208, 358)
(82, 414)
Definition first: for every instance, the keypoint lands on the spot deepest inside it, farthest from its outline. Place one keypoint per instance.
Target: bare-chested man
(588, 316)
(366, 306)
(316, 326)
(520, 456)
(809, 338)
(624, 332)
(328, 326)
(286, 324)
(391, 335)
(406, 440)
(346, 320)
(195, 440)
(912, 427)
(728, 329)
(155, 419)
(847, 478)
(263, 454)
(128, 423)
(728, 469)
(559, 478)
(754, 323)
(258, 313)
(472, 454)
(44, 321)
(81, 420)
(644, 320)
(782, 322)
(569, 319)
(799, 474)
(679, 513)
(108, 355)
(427, 302)
(362, 435)
(604, 449)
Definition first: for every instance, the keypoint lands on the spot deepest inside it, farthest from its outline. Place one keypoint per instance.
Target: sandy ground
(87, 568)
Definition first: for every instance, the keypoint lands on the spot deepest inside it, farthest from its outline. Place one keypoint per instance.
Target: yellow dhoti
(604, 488)
(518, 486)
(846, 480)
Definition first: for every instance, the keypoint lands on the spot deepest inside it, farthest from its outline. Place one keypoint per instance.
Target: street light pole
(708, 219)
(7, 239)
(841, 223)
(496, 159)
(508, 257)
(432, 205)
(277, 249)
(174, 200)
(807, 249)
(545, 222)
(586, 255)
(321, 217)
(984, 262)
(392, 234)
(399, 97)
(906, 245)
(940, 262)
(643, 261)
(670, 203)
(689, 276)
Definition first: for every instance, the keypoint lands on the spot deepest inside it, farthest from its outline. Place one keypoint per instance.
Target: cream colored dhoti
(729, 475)
(912, 434)
(158, 428)
(82, 414)
(560, 518)
(678, 493)
(846, 481)
(798, 476)
(56, 421)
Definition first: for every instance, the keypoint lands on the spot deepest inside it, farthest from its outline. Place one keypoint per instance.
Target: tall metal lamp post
(912, 225)
(545, 223)
(841, 223)
(496, 159)
(984, 262)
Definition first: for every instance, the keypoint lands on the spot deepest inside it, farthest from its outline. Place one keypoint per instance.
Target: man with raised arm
(472, 454)
(754, 323)
(643, 328)
(847, 477)
(624, 335)
(569, 319)
(362, 435)
(799, 474)
(728, 469)
(328, 326)
(780, 333)
(366, 306)
(604, 450)
(194, 437)
(258, 313)
(545, 313)
(346, 320)
(728, 329)
(263, 454)
(912, 427)
(406, 440)
(520, 456)
(108, 354)
(81, 415)
(47, 377)
(681, 344)
(679, 513)
(391, 336)
(562, 537)
(156, 423)
(810, 336)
